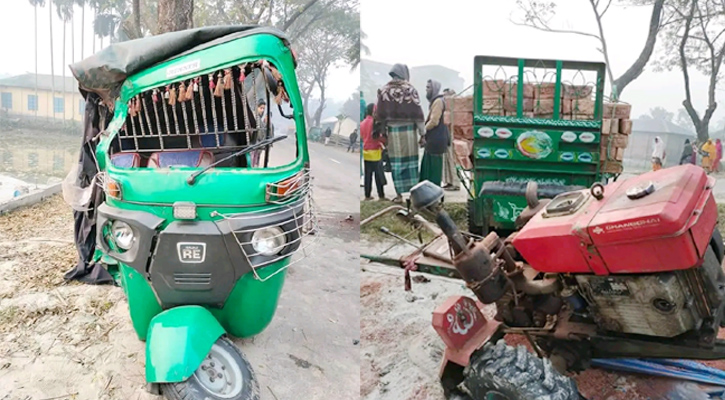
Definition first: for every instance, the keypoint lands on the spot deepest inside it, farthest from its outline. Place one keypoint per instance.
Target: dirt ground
(401, 352)
(63, 340)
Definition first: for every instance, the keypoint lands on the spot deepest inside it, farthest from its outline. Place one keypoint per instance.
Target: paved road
(311, 350)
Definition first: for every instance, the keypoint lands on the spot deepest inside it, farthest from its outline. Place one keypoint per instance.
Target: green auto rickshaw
(202, 206)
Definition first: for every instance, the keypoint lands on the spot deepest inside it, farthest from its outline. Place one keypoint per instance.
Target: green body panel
(252, 303)
(142, 302)
(248, 310)
(518, 148)
(178, 341)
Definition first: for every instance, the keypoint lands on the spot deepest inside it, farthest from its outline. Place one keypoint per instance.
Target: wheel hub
(219, 374)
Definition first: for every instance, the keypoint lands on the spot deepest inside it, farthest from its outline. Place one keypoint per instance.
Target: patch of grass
(9, 315)
(457, 211)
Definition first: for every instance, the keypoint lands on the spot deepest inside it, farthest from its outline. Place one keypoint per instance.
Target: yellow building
(19, 96)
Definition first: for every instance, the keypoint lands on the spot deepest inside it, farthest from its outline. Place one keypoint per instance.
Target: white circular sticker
(501, 153)
(587, 137)
(568, 136)
(567, 156)
(503, 133)
(585, 157)
(485, 132)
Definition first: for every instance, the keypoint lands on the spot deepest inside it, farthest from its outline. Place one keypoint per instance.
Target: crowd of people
(710, 152)
(395, 128)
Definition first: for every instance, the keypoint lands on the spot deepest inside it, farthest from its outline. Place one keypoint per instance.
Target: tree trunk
(62, 96)
(175, 15)
(36, 61)
(83, 30)
(52, 67)
(137, 17)
(321, 107)
(636, 69)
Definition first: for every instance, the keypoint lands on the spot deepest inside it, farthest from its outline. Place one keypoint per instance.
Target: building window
(58, 105)
(7, 100)
(58, 162)
(33, 160)
(81, 106)
(32, 102)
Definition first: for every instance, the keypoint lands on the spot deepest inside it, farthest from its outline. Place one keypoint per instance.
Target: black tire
(472, 226)
(503, 372)
(194, 389)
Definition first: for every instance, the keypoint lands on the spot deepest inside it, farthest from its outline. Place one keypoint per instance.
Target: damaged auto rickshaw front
(202, 230)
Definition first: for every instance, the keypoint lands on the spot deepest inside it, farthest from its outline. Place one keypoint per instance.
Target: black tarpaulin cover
(104, 72)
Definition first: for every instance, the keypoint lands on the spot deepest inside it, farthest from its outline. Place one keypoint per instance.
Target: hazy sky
(17, 45)
(452, 33)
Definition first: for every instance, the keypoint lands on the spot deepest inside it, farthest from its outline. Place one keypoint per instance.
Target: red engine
(655, 222)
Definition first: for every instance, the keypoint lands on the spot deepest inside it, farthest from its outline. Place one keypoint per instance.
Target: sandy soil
(402, 352)
(74, 341)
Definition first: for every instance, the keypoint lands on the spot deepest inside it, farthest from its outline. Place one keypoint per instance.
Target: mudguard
(177, 342)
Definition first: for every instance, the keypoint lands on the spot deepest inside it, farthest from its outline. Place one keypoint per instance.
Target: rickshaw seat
(126, 160)
(184, 158)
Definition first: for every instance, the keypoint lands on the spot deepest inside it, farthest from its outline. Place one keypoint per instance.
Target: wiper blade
(192, 178)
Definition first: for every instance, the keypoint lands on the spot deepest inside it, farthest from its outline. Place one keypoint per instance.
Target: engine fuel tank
(655, 222)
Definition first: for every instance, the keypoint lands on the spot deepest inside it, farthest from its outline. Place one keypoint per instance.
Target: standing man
(363, 109)
(718, 156)
(328, 134)
(353, 141)
(437, 139)
(373, 144)
(398, 113)
(658, 154)
(450, 177)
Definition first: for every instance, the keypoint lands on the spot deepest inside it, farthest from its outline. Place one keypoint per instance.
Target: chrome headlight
(122, 234)
(268, 241)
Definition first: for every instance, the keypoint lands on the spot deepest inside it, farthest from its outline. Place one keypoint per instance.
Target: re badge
(191, 253)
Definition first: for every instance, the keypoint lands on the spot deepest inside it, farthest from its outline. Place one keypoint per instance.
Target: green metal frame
(498, 159)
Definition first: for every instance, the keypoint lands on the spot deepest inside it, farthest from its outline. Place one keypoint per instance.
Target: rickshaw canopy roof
(105, 72)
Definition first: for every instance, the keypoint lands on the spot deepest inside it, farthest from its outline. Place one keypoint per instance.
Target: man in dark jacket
(353, 141)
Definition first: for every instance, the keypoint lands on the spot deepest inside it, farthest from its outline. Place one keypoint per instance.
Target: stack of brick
(616, 128)
(459, 118)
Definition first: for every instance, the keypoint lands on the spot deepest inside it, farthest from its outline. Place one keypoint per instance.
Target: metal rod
(186, 117)
(234, 103)
(224, 108)
(195, 88)
(213, 108)
(173, 110)
(268, 126)
(140, 119)
(154, 101)
(203, 105)
(145, 110)
(166, 111)
(380, 213)
(133, 130)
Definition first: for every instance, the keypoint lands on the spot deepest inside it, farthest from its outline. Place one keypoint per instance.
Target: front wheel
(501, 372)
(225, 374)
